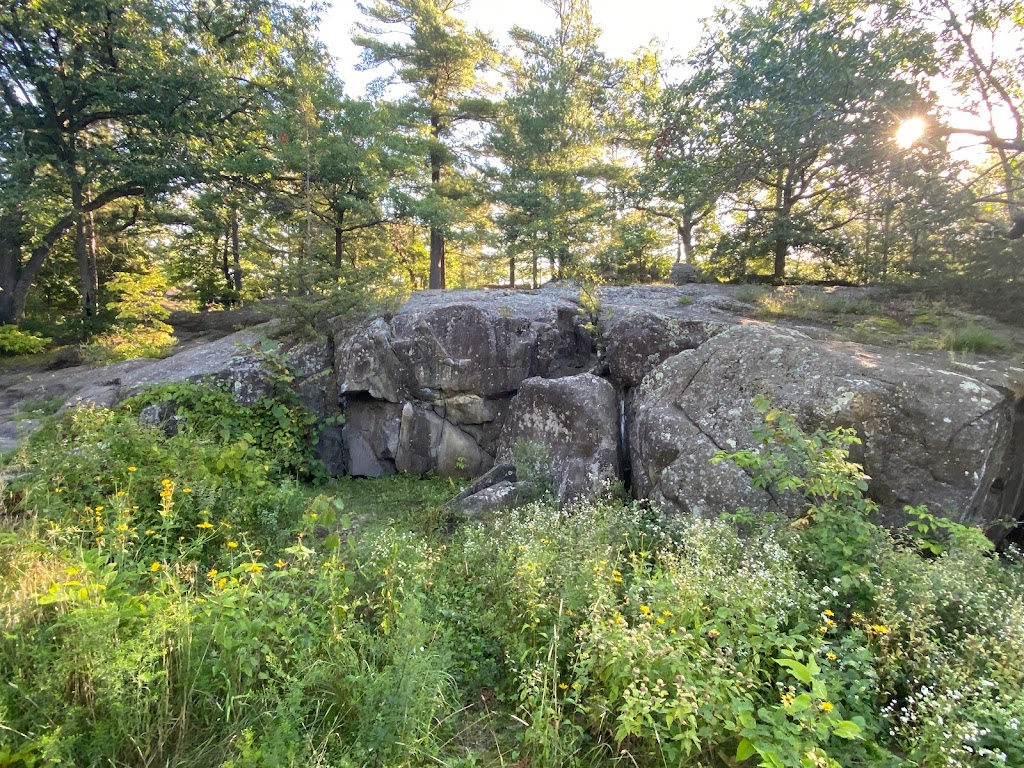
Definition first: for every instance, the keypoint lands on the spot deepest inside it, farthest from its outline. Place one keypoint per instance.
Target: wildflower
(154, 567)
(826, 706)
(563, 687)
(206, 524)
(856, 616)
(713, 634)
(99, 508)
(666, 614)
(213, 573)
(881, 629)
(787, 700)
(829, 613)
(223, 580)
(119, 495)
(99, 529)
(150, 531)
(253, 567)
(133, 469)
(232, 545)
(280, 563)
(122, 527)
(661, 620)
(645, 610)
(186, 490)
(830, 656)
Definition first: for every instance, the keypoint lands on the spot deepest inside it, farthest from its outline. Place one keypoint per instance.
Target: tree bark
(88, 283)
(236, 252)
(511, 271)
(783, 208)
(686, 227)
(437, 256)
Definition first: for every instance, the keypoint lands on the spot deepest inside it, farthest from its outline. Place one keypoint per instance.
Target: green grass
(157, 610)
(973, 338)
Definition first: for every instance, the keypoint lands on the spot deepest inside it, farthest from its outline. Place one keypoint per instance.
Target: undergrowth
(158, 610)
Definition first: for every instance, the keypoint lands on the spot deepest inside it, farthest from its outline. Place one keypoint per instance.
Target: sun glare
(910, 131)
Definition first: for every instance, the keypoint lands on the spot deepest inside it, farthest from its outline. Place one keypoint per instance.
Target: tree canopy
(216, 144)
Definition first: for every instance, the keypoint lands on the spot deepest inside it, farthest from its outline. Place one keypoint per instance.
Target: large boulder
(370, 438)
(428, 444)
(576, 421)
(929, 436)
(638, 339)
(442, 344)
(234, 361)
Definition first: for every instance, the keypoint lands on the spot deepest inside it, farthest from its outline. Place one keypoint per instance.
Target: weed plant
(972, 338)
(158, 610)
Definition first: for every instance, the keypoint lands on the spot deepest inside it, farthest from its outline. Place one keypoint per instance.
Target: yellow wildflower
(830, 656)
(133, 469)
(212, 573)
(826, 706)
(205, 525)
(829, 613)
(563, 687)
(232, 545)
(280, 563)
(880, 629)
(155, 566)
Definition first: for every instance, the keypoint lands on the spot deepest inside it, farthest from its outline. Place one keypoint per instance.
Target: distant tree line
(212, 144)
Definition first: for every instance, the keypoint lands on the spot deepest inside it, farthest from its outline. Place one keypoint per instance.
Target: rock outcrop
(576, 420)
(643, 387)
(649, 385)
(929, 436)
(453, 362)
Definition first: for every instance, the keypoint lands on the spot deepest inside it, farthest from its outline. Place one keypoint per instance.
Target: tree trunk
(224, 268)
(87, 279)
(511, 271)
(535, 270)
(686, 228)
(437, 259)
(10, 265)
(783, 206)
(339, 239)
(236, 252)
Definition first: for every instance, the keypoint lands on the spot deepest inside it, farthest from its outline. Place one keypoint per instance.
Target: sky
(626, 26)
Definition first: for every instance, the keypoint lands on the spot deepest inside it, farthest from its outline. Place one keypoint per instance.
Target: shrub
(139, 328)
(14, 342)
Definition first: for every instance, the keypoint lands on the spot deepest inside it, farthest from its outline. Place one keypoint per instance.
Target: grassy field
(208, 599)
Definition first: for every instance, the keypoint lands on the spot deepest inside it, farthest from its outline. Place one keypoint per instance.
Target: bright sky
(626, 25)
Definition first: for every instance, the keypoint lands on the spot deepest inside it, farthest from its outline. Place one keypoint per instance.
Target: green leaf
(745, 750)
(846, 729)
(799, 671)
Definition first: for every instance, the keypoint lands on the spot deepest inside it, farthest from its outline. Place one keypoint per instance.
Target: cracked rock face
(484, 344)
(452, 362)
(576, 420)
(929, 436)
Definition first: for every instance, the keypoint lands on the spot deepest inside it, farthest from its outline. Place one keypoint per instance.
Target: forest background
(209, 151)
